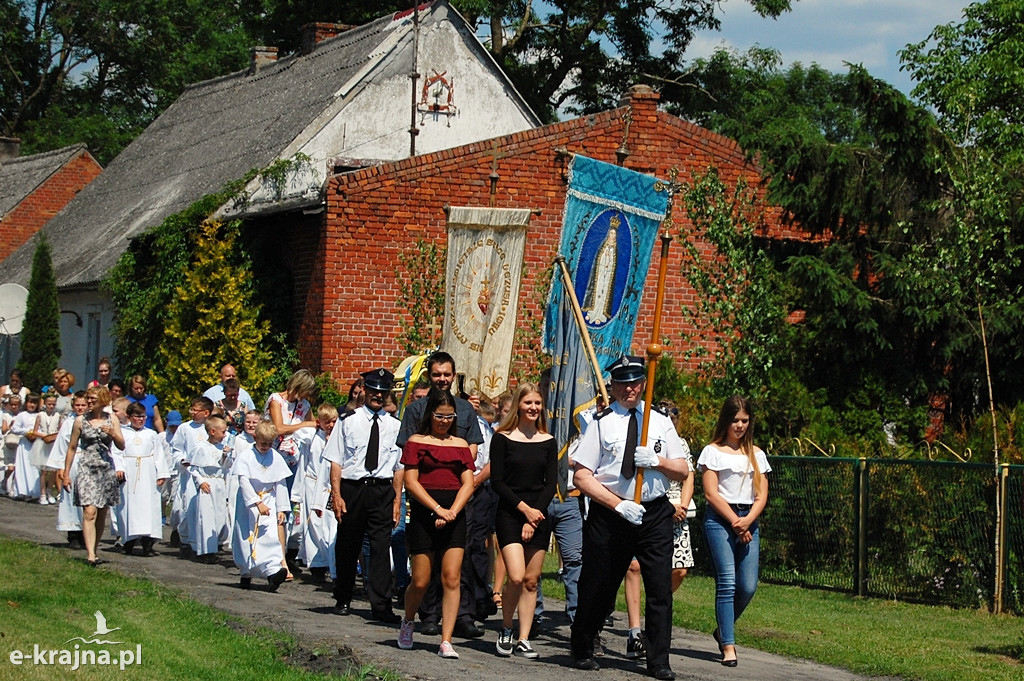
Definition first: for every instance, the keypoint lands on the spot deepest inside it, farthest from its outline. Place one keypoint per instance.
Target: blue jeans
(735, 570)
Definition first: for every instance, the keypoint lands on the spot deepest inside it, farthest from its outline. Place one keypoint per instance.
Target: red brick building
(346, 283)
(35, 188)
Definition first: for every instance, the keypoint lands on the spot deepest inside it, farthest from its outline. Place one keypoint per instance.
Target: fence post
(1002, 482)
(860, 522)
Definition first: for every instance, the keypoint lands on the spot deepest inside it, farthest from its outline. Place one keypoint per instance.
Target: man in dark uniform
(441, 374)
(616, 528)
(366, 482)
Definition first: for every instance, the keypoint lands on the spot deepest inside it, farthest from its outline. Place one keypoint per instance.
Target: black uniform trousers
(369, 505)
(609, 544)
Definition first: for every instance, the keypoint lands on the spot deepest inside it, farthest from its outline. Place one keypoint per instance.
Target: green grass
(48, 598)
(869, 636)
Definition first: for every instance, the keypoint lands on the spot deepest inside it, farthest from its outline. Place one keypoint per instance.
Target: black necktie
(372, 446)
(629, 459)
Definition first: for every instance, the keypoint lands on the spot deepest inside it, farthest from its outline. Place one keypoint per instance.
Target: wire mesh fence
(928, 532)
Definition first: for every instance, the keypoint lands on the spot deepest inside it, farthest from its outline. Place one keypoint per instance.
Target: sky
(831, 32)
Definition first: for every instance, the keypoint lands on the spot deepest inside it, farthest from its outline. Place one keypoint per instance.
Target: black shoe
(275, 580)
(75, 540)
(342, 609)
(245, 583)
(185, 550)
(128, 547)
(467, 629)
(208, 558)
(386, 616)
(587, 664)
(175, 540)
(718, 639)
(318, 573)
(730, 663)
(664, 673)
(636, 647)
(429, 628)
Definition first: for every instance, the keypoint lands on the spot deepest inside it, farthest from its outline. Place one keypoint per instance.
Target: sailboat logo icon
(101, 630)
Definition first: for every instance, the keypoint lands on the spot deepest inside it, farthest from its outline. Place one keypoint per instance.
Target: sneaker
(504, 644)
(447, 651)
(52, 499)
(636, 647)
(43, 500)
(524, 649)
(405, 634)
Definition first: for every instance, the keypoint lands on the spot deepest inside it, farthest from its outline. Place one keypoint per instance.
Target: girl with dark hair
(736, 487)
(439, 479)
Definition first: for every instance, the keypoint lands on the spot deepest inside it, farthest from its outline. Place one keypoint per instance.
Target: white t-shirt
(735, 474)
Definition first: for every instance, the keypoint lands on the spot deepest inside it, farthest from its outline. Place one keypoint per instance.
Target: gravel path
(304, 609)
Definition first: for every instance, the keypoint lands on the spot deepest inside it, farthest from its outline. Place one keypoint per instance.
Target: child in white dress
(46, 428)
(26, 476)
(11, 407)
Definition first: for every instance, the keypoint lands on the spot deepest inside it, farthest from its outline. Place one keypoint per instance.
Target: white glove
(631, 511)
(646, 457)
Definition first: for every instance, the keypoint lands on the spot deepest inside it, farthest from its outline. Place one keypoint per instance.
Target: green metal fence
(910, 530)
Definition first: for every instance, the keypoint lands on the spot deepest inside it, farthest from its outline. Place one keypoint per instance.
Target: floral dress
(97, 483)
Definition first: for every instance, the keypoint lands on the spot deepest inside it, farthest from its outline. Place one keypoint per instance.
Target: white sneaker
(504, 645)
(447, 651)
(524, 649)
(51, 499)
(405, 634)
(43, 501)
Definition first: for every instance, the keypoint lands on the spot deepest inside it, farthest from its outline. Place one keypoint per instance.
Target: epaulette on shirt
(601, 414)
(661, 410)
(348, 412)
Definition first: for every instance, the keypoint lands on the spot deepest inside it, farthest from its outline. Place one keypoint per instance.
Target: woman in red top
(439, 479)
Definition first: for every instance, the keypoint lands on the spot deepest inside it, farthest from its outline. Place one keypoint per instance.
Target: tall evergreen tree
(211, 321)
(40, 336)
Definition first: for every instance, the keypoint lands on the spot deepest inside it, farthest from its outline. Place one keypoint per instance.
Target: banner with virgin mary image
(611, 221)
(485, 260)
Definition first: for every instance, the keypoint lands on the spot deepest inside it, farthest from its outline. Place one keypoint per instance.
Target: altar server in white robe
(69, 516)
(260, 508)
(317, 547)
(206, 514)
(186, 438)
(26, 476)
(138, 513)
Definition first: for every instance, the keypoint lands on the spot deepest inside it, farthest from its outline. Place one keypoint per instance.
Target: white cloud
(831, 32)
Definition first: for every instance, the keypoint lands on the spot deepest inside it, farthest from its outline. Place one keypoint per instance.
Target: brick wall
(45, 201)
(376, 213)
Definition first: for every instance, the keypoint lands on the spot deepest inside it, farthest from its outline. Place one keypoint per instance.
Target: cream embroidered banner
(485, 260)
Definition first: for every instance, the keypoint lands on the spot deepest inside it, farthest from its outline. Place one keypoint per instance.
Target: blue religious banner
(611, 221)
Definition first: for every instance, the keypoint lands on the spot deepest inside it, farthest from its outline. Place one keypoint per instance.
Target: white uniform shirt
(347, 444)
(603, 447)
(483, 450)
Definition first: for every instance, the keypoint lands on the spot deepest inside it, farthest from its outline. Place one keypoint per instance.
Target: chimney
(260, 56)
(314, 34)
(10, 147)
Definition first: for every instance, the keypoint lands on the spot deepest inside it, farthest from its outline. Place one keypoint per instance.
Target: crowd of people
(447, 512)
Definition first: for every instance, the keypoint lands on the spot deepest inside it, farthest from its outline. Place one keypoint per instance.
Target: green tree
(739, 316)
(99, 71)
(421, 293)
(212, 320)
(40, 336)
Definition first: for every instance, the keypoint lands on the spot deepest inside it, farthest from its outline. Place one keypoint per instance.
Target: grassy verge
(48, 599)
(869, 636)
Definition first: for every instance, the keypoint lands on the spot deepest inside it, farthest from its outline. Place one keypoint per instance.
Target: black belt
(369, 481)
(741, 507)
